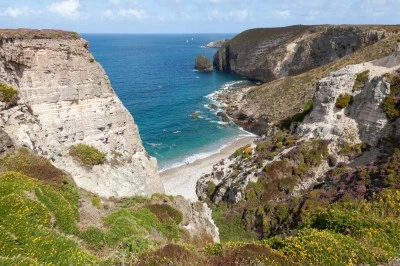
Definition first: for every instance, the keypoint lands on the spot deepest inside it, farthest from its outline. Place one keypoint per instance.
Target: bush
(165, 213)
(87, 154)
(297, 118)
(361, 80)
(7, 93)
(343, 100)
(391, 104)
(353, 150)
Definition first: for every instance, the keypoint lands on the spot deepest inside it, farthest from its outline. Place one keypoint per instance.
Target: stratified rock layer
(267, 54)
(65, 98)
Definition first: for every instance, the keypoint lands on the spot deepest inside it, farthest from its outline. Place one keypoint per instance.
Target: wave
(154, 144)
(230, 85)
(176, 132)
(202, 155)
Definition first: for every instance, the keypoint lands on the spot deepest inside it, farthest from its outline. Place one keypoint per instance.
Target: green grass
(26, 210)
(361, 80)
(230, 225)
(353, 150)
(343, 100)
(87, 155)
(299, 117)
(7, 93)
(391, 104)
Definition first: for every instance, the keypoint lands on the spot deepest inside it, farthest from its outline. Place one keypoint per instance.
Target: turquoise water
(153, 76)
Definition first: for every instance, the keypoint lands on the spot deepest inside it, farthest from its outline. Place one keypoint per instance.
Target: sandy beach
(182, 180)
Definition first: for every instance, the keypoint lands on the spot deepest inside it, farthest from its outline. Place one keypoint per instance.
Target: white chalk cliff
(363, 120)
(65, 98)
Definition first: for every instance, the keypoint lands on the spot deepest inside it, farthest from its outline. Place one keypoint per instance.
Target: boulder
(213, 106)
(223, 117)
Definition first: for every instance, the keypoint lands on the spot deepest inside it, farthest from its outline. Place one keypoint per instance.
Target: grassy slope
(39, 219)
(39, 215)
(286, 97)
(37, 34)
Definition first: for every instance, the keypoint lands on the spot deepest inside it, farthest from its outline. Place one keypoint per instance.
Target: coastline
(182, 180)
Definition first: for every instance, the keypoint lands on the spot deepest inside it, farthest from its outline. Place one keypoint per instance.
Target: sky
(190, 16)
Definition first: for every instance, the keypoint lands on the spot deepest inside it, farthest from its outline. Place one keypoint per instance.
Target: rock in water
(203, 64)
(223, 117)
(65, 98)
(213, 106)
(195, 114)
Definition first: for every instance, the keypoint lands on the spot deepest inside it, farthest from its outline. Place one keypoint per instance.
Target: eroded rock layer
(65, 98)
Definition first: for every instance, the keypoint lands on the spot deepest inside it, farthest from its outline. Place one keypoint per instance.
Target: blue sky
(190, 16)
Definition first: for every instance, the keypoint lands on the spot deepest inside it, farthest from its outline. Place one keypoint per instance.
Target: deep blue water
(154, 78)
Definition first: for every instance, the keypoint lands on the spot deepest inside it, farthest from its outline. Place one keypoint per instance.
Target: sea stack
(203, 64)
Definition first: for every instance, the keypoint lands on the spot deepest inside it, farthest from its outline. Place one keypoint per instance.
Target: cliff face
(353, 135)
(270, 103)
(271, 53)
(65, 98)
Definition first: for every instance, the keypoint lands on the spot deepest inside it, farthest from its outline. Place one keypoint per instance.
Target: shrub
(165, 213)
(87, 154)
(353, 150)
(247, 152)
(361, 80)
(298, 118)
(26, 162)
(391, 104)
(343, 100)
(7, 93)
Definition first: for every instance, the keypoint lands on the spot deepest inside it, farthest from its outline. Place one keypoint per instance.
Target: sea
(154, 76)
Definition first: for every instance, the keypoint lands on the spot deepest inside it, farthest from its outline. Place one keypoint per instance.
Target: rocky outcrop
(65, 98)
(216, 44)
(346, 133)
(203, 64)
(271, 103)
(197, 219)
(363, 120)
(6, 143)
(271, 53)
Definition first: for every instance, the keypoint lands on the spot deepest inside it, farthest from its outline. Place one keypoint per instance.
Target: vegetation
(87, 155)
(391, 104)
(299, 117)
(38, 34)
(343, 100)
(361, 80)
(7, 93)
(353, 150)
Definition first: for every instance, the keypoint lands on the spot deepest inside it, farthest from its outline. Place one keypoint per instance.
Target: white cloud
(133, 12)
(215, 1)
(108, 14)
(237, 15)
(15, 12)
(283, 13)
(68, 8)
(114, 2)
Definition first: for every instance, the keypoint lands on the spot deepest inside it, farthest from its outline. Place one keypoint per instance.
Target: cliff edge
(65, 99)
(266, 54)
